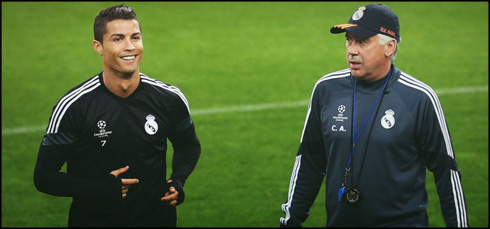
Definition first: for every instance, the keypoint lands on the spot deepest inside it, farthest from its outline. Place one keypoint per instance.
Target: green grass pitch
(242, 59)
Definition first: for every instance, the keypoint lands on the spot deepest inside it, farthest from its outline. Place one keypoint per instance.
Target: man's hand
(126, 183)
(171, 196)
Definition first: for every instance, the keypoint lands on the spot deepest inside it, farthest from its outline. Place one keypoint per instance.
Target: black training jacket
(96, 132)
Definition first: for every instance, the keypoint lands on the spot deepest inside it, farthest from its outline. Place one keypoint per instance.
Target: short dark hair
(110, 14)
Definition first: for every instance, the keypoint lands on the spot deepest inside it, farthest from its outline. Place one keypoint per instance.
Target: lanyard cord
(366, 147)
(356, 139)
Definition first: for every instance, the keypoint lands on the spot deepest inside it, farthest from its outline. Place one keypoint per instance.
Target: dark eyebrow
(117, 35)
(122, 35)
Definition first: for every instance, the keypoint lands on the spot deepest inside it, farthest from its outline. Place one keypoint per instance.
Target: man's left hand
(171, 196)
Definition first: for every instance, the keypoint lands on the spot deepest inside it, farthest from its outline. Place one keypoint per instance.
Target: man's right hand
(126, 183)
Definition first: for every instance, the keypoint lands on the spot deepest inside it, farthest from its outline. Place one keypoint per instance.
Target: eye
(348, 40)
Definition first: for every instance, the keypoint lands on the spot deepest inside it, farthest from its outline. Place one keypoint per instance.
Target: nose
(352, 49)
(129, 45)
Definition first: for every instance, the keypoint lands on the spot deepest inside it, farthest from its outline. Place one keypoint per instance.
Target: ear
(390, 48)
(98, 46)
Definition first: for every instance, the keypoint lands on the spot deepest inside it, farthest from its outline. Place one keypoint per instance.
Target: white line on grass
(251, 107)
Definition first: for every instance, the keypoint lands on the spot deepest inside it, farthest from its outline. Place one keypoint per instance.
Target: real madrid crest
(359, 13)
(151, 126)
(388, 121)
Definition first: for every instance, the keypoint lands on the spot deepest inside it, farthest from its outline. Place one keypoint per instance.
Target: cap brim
(354, 29)
(341, 28)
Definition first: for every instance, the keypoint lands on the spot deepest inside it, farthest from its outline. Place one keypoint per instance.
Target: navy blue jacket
(405, 135)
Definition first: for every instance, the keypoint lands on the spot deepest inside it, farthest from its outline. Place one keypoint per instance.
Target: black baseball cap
(369, 20)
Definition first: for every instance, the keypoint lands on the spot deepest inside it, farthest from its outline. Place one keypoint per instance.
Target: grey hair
(383, 40)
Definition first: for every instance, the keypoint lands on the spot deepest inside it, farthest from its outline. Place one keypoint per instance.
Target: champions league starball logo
(340, 117)
(151, 127)
(101, 124)
(341, 109)
(102, 131)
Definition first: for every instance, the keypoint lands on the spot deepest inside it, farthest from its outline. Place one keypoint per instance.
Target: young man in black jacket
(112, 132)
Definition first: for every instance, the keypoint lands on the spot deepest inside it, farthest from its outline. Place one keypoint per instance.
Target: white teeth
(128, 57)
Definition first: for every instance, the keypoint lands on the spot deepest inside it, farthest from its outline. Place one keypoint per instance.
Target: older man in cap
(371, 131)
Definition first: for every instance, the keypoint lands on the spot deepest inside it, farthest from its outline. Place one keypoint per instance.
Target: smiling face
(122, 48)
(368, 60)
